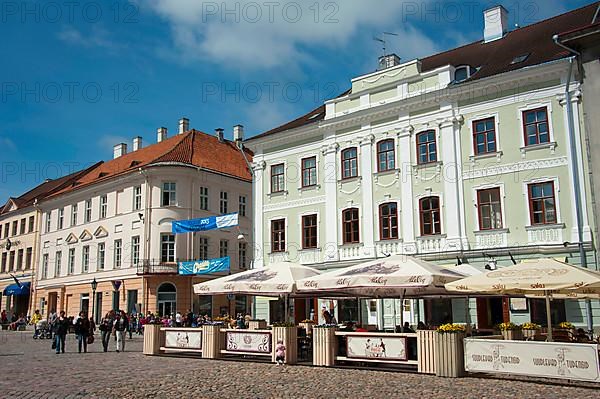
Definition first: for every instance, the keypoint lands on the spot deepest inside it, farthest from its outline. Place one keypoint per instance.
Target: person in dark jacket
(61, 327)
(106, 326)
(119, 327)
(82, 330)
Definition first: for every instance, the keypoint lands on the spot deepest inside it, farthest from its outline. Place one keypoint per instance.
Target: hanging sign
(205, 224)
(207, 266)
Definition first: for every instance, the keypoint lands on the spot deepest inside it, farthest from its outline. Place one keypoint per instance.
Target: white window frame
(71, 262)
(48, 221)
(285, 231)
(309, 213)
(245, 250)
(103, 206)
(204, 198)
(443, 219)
(101, 263)
(172, 190)
(221, 241)
(57, 263)
(479, 117)
(224, 201)
(301, 177)
(87, 215)
(45, 259)
(117, 253)
(74, 214)
(61, 218)
(242, 205)
(361, 237)
(528, 107)
(137, 198)
(85, 259)
(135, 250)
(174, 250)
(201, 245)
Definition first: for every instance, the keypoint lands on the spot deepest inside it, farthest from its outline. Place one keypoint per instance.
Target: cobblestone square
(30, 369)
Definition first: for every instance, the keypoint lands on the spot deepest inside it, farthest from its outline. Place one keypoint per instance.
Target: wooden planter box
(257, 324)
(426, 351)
(513, 335)
(289, 336)
(324, 346)
(308, 327)
(449, 354)
(153, 339)
(531, 334)
(212, 341)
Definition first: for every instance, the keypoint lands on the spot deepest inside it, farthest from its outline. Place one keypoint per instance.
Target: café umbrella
(546, 277)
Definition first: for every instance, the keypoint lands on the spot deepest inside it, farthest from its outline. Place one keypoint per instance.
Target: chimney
(496, 23)
(161, 134)
(137, 143)
(220, 134)
(238, 135)
(119, 150)
(388, 61)
(184, 125)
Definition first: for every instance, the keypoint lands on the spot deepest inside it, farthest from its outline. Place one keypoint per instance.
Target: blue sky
(81, 76)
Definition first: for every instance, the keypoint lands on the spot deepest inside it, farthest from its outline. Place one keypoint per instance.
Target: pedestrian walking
(61, 327)
(119, 327)
(82, 330)
(106, 327)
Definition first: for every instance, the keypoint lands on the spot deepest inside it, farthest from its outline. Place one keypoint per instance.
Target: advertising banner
(207, 266)
(205, 224)
(377, 347)
(541, 359)
(183, 339)
(246, 341)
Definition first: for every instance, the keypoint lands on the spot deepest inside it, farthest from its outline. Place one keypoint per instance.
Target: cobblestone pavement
(30, 369)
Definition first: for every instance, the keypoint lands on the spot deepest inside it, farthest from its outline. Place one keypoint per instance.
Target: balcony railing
(155, 266)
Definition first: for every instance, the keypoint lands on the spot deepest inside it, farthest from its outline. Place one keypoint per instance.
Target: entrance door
(85, 303)
(115, 300)
(166, 298)
(98, 309)
(132, 296)
(52, 301)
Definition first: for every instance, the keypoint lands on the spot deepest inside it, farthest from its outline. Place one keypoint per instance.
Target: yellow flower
(451, 327)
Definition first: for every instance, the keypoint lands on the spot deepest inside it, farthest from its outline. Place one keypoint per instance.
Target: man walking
(61, 327)
(119, 327)
(106, 328)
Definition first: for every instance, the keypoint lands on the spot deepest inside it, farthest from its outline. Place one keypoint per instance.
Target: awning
(14, 289)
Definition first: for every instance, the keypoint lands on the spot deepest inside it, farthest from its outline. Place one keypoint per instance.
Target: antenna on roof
(383, 40)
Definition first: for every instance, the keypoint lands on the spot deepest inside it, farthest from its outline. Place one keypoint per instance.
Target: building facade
(114, 226)
(462, 155)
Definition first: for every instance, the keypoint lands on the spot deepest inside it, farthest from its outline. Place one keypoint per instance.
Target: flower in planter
(307, 321)
(284, 325)
(530, 326)
(566, 325)
(510, 326)
(451, 328)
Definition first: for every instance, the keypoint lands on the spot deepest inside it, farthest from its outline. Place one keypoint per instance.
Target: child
(280, 353)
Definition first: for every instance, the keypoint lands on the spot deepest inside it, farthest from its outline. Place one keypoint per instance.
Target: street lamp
(94, 286)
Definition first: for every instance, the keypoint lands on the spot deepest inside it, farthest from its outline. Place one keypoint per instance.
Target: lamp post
(94, 286)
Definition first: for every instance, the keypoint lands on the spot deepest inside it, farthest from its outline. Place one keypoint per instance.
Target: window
(137, 198)
(4, 258)
(45, 267)
(535, 126)
(203, 248)
(388, 221)
(223, 202)
(135, 250)
(167, 248)
(48, 221)
(484, 136)
(385, 155)
(101, 256)
(429, 208)
(277, 178)
(309, 231)
(19, 260)
(242, 205)
(57, 262)
(15, 226)
(74, 215)
(61, 218)
(88, 211)
(542, 205)
(169, 194)
(11, 261)
(350, 226)
(103, 206)
(278, 235)
(349, 163)
(118, 254)
(242, 250)
(309, 172)
(31, 224)
(426, 147)
(71, 264)
(23, 223)
(6, 230)
(28, 258)
(489, 209)
(223, 248)
(204, 198)
(85, 259)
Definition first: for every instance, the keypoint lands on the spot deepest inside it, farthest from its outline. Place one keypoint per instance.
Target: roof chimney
(238, 135)
(388, 61)
(220, 134)
(137, 143)
(161, 134)
(119, 150)
(184, 125)
(496, 23)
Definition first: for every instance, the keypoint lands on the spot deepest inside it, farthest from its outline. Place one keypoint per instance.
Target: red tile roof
(190, 148)
(490, 58)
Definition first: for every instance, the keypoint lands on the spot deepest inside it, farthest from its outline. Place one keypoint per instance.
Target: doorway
(166, 299)
(85, 303)
(98, 309)
(491, 312)
(132, 297)
(52, 301)
(115, 300)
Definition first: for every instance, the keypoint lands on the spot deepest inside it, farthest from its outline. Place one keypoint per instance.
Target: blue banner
(204, 266)
(204, 224)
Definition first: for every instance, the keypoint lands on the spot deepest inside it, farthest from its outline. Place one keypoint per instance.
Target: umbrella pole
(359, 316)
(394, 319)
(401, 313)
(548, 317)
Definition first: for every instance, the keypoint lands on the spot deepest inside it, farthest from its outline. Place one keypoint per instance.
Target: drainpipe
(578, 202)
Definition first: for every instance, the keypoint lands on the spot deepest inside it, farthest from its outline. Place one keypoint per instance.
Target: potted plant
(449, 350)
(307, 325)
(566, 330)
(510, 331)
(530, 330)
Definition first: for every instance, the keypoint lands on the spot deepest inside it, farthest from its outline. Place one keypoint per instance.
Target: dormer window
(520, 58)
(463, 72)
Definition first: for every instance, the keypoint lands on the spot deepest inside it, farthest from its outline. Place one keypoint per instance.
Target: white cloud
(108, 141)
(97, 37)
(232, 32)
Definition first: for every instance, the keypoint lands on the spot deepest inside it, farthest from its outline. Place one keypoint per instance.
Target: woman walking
(82, 330)
(120, 326)
(61, 327)
(106, 325)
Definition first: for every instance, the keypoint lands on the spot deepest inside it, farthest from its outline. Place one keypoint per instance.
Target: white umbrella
(541, 276)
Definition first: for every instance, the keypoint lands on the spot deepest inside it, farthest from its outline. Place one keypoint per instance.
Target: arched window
(385, 155)
(166, 299)
(388, 221)
(426, 147)
(350, 226)
(430, 216)
(349, 163)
